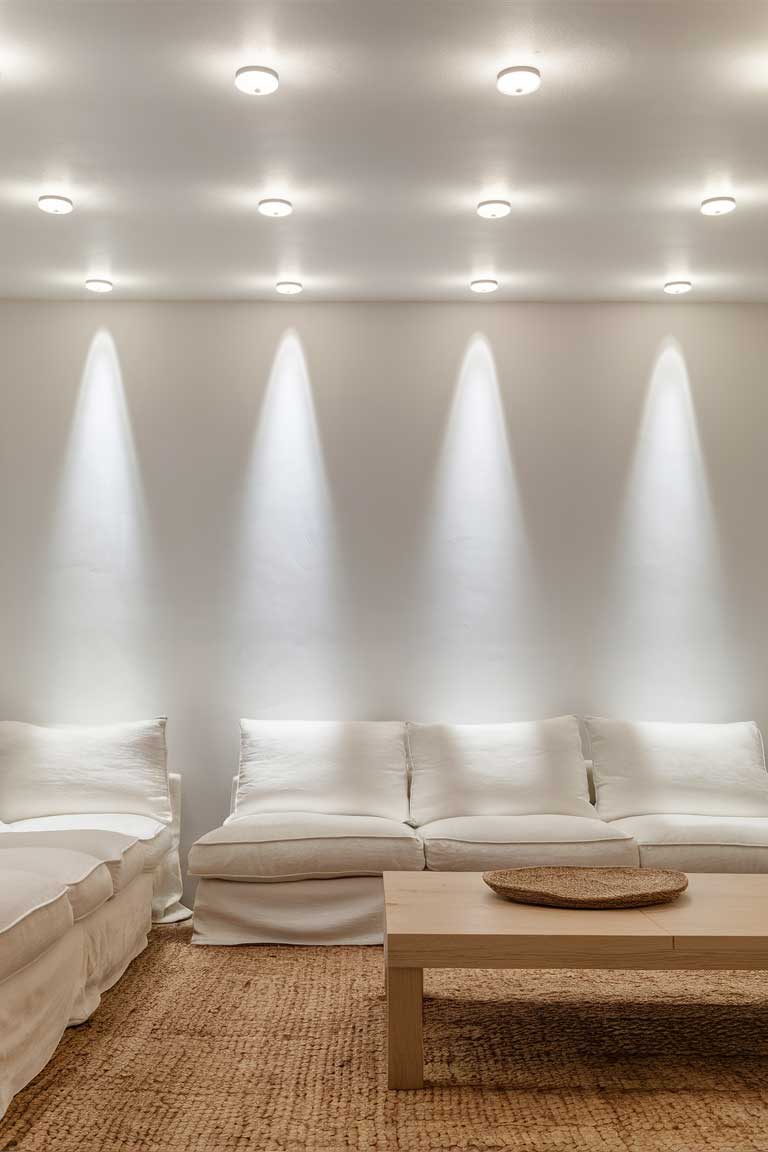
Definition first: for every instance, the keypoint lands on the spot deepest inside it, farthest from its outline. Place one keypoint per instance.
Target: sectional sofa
(89, 822)
(320, 809)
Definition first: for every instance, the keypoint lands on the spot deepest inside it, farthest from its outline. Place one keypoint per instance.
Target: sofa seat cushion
(156, 839)
(35, 912)
(123, 855)
(700, 843)
(475, 843)
(88, 882)
(279, 846)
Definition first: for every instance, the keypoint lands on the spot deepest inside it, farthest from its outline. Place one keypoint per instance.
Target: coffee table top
(452, 919)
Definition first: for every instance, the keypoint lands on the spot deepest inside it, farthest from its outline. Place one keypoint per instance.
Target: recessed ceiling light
(484, 285)
(494, 209)
(518, 81)
(275, 207)
(717, 205)
(55, 205)
(256, 80)
(677, 287)
(95, 284)
(289, 287)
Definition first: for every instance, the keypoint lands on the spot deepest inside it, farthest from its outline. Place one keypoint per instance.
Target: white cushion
(475, 843)
(88, 882)
(123, 855)
(35, 912)
(350, 768)
(488, 769)
(305, 846)
(692, 769)
(63, 769)
(156, 838)
(700, 843)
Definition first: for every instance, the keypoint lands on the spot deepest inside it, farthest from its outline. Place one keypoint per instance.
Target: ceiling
(386, 131)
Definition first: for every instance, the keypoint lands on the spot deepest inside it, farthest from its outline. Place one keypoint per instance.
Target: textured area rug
(280, 1049)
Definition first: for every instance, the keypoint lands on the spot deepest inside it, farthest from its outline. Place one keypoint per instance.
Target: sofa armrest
(233, 795)
(174, 787)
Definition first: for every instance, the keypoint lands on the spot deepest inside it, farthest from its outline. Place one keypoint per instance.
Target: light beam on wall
(477, 644)
(288, 613)
(668, 637)
(101, 664)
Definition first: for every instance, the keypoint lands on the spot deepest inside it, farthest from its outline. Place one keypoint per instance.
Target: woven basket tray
(588, 887)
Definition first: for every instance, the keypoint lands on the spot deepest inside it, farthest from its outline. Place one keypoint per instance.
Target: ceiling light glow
(717, 205)
(486, 285)
(289, 287)
(494, 209)
(55, 205)
(273, 206)
(256, 80)
(520, 80)
(677, 287)
(96, 284)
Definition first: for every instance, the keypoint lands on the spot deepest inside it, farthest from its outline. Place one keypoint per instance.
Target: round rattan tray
(588, 887)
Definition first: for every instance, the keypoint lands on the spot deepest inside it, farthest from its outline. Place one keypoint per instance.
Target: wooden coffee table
(453, 920)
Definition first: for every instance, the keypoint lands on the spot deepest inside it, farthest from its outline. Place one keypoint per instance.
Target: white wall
(427, 511)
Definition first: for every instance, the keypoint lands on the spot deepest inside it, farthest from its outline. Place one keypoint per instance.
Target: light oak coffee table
(453, 920)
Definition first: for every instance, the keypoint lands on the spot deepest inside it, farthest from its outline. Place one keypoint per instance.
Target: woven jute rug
(277, 1049)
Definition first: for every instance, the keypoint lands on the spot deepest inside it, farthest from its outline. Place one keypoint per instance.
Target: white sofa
(111, 777)
(321, 809)
(75, 909)
(89, 838)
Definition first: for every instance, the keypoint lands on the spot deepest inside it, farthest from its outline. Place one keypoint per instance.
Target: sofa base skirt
(112, 937)
(36, 1004)
(349, 910)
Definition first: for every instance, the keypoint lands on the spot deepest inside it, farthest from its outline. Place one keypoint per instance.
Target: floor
(280, 1049)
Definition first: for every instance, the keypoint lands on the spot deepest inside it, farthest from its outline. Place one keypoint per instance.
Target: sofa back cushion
(642, 768)
(355, 768)
(520, 769)
(69, 769)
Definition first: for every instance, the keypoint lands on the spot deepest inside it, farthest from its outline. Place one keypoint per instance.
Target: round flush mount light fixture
(677, 287)
(55, 205)
(97, 284)
(717, 205)
(273, 206)
(494, 209)
(520, 80)
(289, 287)
(486, 285)
(256, 80)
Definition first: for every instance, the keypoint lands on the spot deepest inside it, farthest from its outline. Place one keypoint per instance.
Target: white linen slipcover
(123, 855)
(62, 769)
(87, 880)
(354, 768)
(700, 843)
(278, 846)
(646, 767)
(35, 912)
(349, 910)
(477, 843)
(516, 769)
(111, 938)
(35, 1006)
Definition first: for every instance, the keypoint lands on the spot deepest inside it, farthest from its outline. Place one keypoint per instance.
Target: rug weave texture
(280, 1049)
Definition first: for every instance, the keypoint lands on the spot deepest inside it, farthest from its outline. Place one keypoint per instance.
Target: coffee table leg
(405, 1051)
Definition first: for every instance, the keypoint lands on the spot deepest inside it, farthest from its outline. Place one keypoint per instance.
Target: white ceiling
(385, 132)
